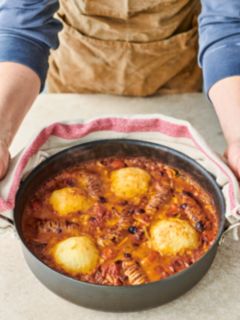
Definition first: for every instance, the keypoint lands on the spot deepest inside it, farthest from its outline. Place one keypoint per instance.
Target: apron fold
(126, 48)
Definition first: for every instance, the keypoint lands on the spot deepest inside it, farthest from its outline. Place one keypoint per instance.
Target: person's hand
(4, 159)
(19, 86)
(232, 155)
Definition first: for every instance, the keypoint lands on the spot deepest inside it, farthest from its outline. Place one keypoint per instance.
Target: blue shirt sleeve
(27, 32)
(219, 40)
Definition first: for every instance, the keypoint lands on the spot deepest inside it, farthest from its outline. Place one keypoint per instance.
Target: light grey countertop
(23, 297)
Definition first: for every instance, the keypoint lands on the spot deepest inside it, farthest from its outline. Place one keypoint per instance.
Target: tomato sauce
(120, 228)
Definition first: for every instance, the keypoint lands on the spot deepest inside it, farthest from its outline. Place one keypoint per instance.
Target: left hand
(232, 155)
(4, 159)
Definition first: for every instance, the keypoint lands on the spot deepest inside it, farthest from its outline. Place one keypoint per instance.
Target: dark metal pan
(118, 298)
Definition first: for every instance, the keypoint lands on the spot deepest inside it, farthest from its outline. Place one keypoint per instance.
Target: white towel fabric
(174, 133)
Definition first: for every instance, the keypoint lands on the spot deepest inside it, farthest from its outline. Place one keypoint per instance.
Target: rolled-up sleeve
(219, 40)
(28, 31)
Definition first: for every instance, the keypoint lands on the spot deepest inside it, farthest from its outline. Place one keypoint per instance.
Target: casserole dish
(118, 298)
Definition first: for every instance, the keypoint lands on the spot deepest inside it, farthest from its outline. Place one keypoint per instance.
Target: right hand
(19, 86)
(4, 159)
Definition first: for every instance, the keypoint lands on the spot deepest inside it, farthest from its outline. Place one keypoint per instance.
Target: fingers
(4, 161)
(233, 157)
(3, 167)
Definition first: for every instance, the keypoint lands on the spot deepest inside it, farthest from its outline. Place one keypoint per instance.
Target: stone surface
(216, 296)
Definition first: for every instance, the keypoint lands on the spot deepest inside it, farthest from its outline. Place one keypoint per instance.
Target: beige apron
(126, 47)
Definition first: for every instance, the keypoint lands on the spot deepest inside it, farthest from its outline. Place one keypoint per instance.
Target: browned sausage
(157, 200)
(192, 211)
(134, 272)
(94, 185)
(55, 226)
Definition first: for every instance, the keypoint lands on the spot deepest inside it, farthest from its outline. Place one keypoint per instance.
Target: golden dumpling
(129, 183)
(68, 200)
(173, 236)
(77, 255)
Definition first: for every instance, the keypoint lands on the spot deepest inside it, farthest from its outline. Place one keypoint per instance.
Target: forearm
(27, 32)
(19, 86)
(219, 36)
(225, 96)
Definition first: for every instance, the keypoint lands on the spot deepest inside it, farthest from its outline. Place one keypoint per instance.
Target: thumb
(4, 161)
(233, 157)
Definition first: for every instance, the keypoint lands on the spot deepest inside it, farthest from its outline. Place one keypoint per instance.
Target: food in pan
(173, 236)
(76, 255)
(120, 221)
(67, 200)
(130, 183)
